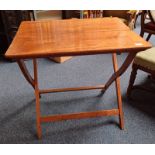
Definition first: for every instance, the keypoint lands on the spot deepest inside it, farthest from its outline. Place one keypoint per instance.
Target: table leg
(25, 72)
(38, 113)
(118, 91)
(115, 77)
(120, 71)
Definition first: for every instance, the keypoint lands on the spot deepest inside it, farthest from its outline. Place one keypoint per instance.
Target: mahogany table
(38, 39)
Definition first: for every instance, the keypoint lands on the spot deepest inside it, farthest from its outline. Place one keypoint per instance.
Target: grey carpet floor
(17, 103)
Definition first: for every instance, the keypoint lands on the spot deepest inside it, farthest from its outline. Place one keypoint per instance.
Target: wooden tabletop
(74, 37)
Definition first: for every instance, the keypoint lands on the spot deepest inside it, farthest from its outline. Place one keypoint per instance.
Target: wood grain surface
(74, 37)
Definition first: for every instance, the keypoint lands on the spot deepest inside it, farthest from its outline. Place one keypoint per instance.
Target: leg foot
(142, 33)
(102, 91)
(148, 37)
(39, 132)
(121, 122)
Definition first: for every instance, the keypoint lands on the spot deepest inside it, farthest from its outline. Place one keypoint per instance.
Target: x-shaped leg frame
(115, 77)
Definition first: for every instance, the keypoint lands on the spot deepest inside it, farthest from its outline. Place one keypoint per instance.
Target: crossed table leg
(115, 77)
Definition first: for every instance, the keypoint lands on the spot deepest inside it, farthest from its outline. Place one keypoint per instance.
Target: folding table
(75, 37)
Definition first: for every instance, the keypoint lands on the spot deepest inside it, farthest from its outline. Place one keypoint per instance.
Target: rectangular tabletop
(74, 37)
